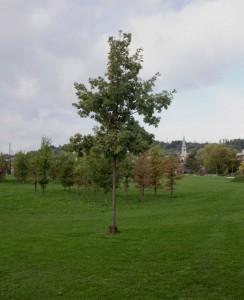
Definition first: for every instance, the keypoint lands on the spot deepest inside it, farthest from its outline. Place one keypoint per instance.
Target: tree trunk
(142, 192)
(94, 194)
(84, 191)
(126, 187)
(171, 187)
(105, 197)
(35, 183)
(113, 228)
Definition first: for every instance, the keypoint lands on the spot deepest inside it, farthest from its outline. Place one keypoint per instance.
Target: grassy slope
(57, 247)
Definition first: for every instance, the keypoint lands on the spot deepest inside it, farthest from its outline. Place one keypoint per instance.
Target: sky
(46, 45)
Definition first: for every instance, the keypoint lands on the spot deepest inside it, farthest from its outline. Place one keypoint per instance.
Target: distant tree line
(192, 147)
(217, 159)
(237, 144)
(45, 164)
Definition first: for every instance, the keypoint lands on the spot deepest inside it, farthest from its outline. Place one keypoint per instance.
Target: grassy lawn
(56, 246)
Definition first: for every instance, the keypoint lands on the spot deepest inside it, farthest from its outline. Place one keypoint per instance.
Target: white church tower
(183, 154)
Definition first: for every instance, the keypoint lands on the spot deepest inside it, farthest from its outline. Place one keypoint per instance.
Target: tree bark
(113, 227)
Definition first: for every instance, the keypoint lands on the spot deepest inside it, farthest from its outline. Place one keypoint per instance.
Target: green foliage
(155, 171)
(66, 176)
(141, 173)
(237, 144)
(113, 99)
(34, 161)
(241, 168)
(81, 174)
(55, 165)
(21, 166)
(126, 171)
(175, 146)
(3, 166)
(81, 144)
(58, 247)
(171, 167)
(100, 172)
(193, 163)
(44, 162)
(218, 158)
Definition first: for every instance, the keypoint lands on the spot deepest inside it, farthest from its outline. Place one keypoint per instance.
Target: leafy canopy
(115, 99)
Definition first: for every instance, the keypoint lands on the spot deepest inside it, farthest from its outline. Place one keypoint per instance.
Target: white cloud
(27, 89)
(195, 45)
(47, 45)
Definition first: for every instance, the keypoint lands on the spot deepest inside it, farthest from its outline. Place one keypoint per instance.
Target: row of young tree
(34, 164)
(83, 164)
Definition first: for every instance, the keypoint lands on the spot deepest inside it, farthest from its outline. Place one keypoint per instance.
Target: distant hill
(175, 146)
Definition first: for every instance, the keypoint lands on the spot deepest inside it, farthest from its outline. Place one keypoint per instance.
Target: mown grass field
(57, 246)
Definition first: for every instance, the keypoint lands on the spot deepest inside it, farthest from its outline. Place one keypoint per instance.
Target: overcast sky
(47, 45)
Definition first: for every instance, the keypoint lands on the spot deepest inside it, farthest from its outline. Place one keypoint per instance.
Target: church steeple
(183, 150)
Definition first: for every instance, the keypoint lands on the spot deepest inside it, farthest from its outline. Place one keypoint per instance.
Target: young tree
(100, 172)
(155, 172)
(126, 171)
(141, 173)
(171, 165)
(55, 165)
(81, 174)
(33, 158)
(44, 163)
(114, 101)
(3, 166)
(21, 166)
(217, 158)
(67, 177)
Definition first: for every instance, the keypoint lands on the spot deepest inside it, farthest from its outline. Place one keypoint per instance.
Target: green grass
(239, 179)
(57, 246)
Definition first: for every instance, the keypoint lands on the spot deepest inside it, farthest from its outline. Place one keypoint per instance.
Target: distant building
(183, 154)
(240, 155)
